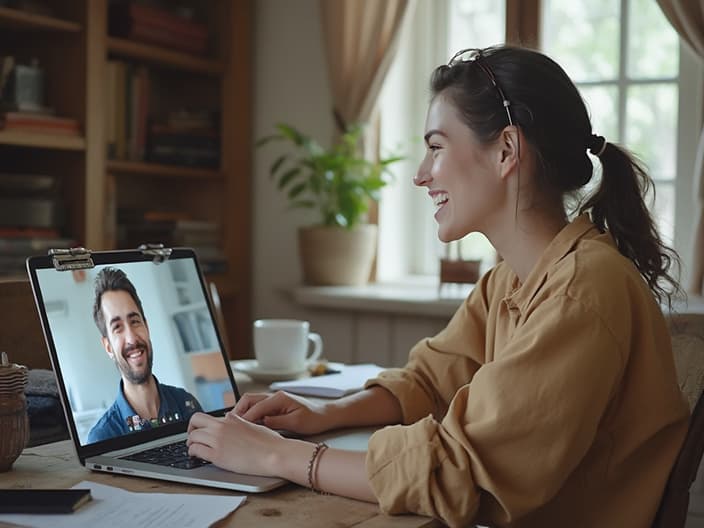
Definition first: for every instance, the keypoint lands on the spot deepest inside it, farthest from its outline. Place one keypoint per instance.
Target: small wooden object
(14, 422)
(458, 270)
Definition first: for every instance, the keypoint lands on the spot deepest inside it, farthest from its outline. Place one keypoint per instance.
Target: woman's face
(461, 174)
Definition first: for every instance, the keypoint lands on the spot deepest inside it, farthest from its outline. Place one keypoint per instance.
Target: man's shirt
(176, 405)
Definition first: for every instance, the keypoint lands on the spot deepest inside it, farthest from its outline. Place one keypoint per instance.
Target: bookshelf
(75, 45)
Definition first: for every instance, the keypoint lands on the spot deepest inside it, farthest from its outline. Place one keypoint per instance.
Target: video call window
(171, 340)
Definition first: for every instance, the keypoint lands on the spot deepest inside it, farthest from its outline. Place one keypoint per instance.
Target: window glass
(475, 24)
(602, 105)
(583, 36)
(651, 127)
(664, 208)
(653, 46)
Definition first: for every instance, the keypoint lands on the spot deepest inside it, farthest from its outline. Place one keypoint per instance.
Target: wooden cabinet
(73, 46)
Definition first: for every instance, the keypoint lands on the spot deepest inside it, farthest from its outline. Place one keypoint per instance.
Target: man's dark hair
(111, 279)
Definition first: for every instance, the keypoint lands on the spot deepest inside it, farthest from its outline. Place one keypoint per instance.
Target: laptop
(172, 339)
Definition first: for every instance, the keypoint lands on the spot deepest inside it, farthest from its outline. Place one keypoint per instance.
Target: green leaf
(267, 139)
(277, 163)
(288, 176)
(296, 190)
(291, 133)
(303, 204)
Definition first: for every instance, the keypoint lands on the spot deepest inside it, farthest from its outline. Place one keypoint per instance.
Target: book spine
(140, 13)
(159, 36)
(111, 100)
(121, 111)
(39, 129)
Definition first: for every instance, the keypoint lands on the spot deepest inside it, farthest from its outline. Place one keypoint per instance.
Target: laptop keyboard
(173, 455)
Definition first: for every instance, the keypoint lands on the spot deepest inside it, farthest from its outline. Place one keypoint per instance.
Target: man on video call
(142, 402)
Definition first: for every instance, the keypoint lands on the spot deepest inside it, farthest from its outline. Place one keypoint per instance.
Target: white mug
(283, 344)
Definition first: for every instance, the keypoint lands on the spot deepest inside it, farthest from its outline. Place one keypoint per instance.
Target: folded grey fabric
(41, 382)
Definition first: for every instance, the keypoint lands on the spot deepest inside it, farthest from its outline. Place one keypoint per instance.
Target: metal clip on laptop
(158, 251)
(71, 259)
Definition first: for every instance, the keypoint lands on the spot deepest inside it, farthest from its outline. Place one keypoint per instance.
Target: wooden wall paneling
(406, 331)
(373, 342)
(95, 118)
(235, 36)
(523, 23)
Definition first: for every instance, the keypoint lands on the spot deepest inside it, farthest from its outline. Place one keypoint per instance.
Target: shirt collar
(124, 406)
(561, 245)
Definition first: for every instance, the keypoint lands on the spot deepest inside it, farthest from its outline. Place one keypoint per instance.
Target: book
(23, 183)
(31, 212)
(10, 119)
(33, 246)
(43, 500)
(124, 15)
(349, 379)
(157, 26)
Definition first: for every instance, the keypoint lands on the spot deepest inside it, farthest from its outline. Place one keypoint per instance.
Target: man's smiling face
(127, 341)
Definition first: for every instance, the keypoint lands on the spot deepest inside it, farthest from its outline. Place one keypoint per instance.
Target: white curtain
(687, 17)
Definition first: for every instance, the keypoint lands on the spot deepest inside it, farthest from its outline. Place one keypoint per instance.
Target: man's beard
(123, 365)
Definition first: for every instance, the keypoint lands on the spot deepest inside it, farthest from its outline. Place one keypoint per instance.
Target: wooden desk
(56, 465)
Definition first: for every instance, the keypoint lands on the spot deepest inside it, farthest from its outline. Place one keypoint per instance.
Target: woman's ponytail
(619, 206)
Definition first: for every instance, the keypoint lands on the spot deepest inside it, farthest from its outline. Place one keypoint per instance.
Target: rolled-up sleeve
(514, 434)
(440, 365)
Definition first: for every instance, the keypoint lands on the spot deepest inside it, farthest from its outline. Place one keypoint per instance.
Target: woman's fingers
(199, 419)
(276, 404)
(246, 401)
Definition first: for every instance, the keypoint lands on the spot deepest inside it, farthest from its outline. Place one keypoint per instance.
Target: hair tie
(597, 145)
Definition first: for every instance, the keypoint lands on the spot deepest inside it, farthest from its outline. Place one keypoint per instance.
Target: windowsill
(417, 296)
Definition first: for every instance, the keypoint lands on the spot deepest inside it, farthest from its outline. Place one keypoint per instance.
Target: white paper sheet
(119, 508)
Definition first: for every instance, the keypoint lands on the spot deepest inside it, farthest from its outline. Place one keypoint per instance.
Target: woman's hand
(282, 410)
(235, 444)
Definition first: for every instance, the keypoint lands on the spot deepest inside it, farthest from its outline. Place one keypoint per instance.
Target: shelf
(164, 57)
(47, 141)
(16, 18)
(155, 169)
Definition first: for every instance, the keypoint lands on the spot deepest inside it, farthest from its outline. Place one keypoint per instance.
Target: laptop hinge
(71, 259)
(157, 251)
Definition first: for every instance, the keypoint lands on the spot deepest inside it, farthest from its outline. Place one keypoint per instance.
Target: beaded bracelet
(313, 467)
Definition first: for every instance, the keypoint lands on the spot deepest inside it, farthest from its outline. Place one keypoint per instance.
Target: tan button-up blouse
(545, 404)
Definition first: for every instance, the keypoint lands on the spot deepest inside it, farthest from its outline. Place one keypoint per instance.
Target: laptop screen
(134, 345)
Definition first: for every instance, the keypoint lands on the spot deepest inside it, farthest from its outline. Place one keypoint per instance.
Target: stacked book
(31, 219)
(43, 123)
(161, 26)
(189, 138)
(136, 227)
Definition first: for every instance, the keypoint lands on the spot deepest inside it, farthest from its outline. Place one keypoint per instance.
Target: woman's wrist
(289, 459)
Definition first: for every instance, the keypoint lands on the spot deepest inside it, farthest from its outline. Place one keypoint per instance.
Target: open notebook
(347, 379)
(165, 332)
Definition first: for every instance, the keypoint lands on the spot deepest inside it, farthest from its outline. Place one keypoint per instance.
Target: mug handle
(318, 346)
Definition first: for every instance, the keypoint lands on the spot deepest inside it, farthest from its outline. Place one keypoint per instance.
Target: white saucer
(253, 370)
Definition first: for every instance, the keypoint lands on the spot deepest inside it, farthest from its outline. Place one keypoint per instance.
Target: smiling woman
(526, 409)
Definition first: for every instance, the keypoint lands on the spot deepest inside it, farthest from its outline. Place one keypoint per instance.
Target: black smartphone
(42, 500)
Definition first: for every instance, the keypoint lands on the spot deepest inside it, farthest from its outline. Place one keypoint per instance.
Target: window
(408, 234)
(642, 87)
(628, 74)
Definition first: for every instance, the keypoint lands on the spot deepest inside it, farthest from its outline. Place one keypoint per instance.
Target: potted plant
(340, 183)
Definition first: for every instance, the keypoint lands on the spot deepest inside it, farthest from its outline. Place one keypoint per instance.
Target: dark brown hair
(547, 106)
